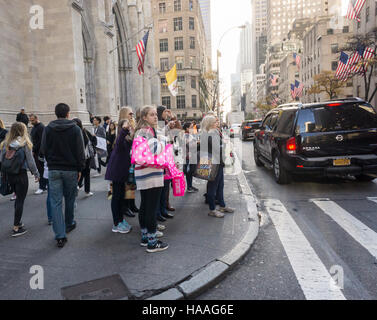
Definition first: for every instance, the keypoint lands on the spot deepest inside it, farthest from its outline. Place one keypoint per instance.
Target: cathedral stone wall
(70, 60)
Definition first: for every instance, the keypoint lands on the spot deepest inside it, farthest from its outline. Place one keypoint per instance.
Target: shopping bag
(205, 169)
(179, 186)
(5, 187)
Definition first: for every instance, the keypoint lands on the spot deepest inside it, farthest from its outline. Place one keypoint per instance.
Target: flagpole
(149, 27)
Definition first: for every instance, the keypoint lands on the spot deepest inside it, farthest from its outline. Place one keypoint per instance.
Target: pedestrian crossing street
(316, 280)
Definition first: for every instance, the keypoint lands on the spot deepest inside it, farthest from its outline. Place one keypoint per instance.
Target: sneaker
(21, 225)
(21, 231)
(97, 175)
(39, 191)
(168, 215)
(90, 194)
(159, 234)
(161, 227)
(123, 228)
(109, 195)
(144, 242)
(191, 190)
(14, 197)
(195, 189)
(71, 227)
(61, 242)
(161, 219)
(157, 247)
(216, 214)
(226, 210)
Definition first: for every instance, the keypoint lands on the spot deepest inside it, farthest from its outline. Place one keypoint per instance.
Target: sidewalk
(94, 252)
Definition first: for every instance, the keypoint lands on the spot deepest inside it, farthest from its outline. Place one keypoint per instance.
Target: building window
(367, 14)
(193, 82)
(164, 84)
(191, 5)
(164, 64)
(192, 42)
(177, 5)
(162, 7)
(334, 65)
(330, 31)
(181, 80)
(164, 47)
(179, 62)
(194, 102)
(181, 102)
(178, 43)
(166, 101)
(192, 24)
(178, 24)
(346, 29)
(334, 48)
(163, 26)
(192, 62)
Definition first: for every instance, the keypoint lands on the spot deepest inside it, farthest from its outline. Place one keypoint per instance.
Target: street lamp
(218, 68)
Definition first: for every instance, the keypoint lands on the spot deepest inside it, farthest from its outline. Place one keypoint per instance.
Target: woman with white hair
(211, 138)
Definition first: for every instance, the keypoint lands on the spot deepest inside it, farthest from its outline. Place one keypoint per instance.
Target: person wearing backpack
(150, 181)
(16, 158)
(90, 142)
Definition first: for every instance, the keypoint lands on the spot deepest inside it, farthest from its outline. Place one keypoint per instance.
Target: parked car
(327, 138)
(235, 130)
(248, 129)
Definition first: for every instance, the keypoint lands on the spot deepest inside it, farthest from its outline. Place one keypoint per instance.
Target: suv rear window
(253, 125)
(337, 118)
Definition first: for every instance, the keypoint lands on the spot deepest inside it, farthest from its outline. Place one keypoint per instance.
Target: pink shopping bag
(179, 186)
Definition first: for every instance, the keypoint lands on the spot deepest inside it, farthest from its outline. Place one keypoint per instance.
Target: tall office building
(180, 39)
(259, 14)
(205, 7)
(282, 13)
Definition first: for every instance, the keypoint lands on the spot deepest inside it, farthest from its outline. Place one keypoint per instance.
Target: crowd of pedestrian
(62, 155)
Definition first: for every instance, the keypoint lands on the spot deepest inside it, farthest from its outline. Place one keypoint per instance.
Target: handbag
(130, 193)
(5, 187)
(179, 186)
(205, 169)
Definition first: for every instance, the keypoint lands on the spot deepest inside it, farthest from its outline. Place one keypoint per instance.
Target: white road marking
(312, 275)
(374, 199)
(355, 228)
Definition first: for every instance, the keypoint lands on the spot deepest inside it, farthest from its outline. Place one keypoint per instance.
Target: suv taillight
(291, 146)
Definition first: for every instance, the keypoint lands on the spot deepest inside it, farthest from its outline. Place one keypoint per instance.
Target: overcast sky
(225, 15)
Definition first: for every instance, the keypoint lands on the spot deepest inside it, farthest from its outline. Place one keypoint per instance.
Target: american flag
(297, 59)
(293, 91)
(356, 58)
(368, 54)
(273, 79)
(353, 11)
(141, 49)
(343, 70)
(299, 87)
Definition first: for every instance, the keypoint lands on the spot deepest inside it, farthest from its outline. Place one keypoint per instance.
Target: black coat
(22, 117)
(36, 136)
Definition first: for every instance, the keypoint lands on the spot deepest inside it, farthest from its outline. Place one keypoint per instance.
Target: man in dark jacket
(36, 136)
(22, 117)
(63, 148)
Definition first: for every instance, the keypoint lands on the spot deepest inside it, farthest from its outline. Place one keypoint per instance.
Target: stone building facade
(63, 51)
(180, 39)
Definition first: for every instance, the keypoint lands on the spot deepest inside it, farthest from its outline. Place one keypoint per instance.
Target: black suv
(327, 138)
(248, 129)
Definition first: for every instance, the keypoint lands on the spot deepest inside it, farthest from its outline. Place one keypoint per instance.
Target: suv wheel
(281, 174)
(365, 178)
(256, 157)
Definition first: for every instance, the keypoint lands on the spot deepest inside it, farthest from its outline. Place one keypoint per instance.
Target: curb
(205, 278)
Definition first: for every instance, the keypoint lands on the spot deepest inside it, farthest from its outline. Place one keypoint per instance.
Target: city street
(302, 241)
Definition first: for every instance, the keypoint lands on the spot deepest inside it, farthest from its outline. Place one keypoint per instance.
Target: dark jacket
(3, 134)
(63, 146)
(120, 161)
(22, 117)
(88, 136)
(36, 136)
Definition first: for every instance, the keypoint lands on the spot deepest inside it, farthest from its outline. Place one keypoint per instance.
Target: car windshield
(337, 118)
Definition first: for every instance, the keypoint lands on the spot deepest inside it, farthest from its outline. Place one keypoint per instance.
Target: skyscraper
(205, 7)
(259, 14)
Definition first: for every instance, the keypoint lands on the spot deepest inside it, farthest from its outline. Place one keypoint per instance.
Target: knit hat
(160, 111)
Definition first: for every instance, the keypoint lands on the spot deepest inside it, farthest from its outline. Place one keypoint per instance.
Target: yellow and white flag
(172, 80)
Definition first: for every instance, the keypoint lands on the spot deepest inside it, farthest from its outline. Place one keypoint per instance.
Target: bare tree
(327, 82)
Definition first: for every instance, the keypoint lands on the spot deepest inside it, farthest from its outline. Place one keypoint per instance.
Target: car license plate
(341, 162)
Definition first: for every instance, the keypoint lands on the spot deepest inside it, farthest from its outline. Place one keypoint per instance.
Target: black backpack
(13, 161)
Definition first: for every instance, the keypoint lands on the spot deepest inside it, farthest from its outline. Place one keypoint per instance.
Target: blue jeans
(62, 184)
(216, 190)
(48, 203)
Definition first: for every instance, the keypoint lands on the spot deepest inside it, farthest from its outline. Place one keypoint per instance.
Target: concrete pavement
(201, 248)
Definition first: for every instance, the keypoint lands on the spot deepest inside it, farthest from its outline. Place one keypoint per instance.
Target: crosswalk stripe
(359, 231)
(374, 199)
(312, 275)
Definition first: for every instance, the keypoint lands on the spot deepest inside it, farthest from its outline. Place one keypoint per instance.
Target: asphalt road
(318, 240)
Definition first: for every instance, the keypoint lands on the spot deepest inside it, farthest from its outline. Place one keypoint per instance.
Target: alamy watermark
(37, 19)
(337, 277)
(37, 280)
